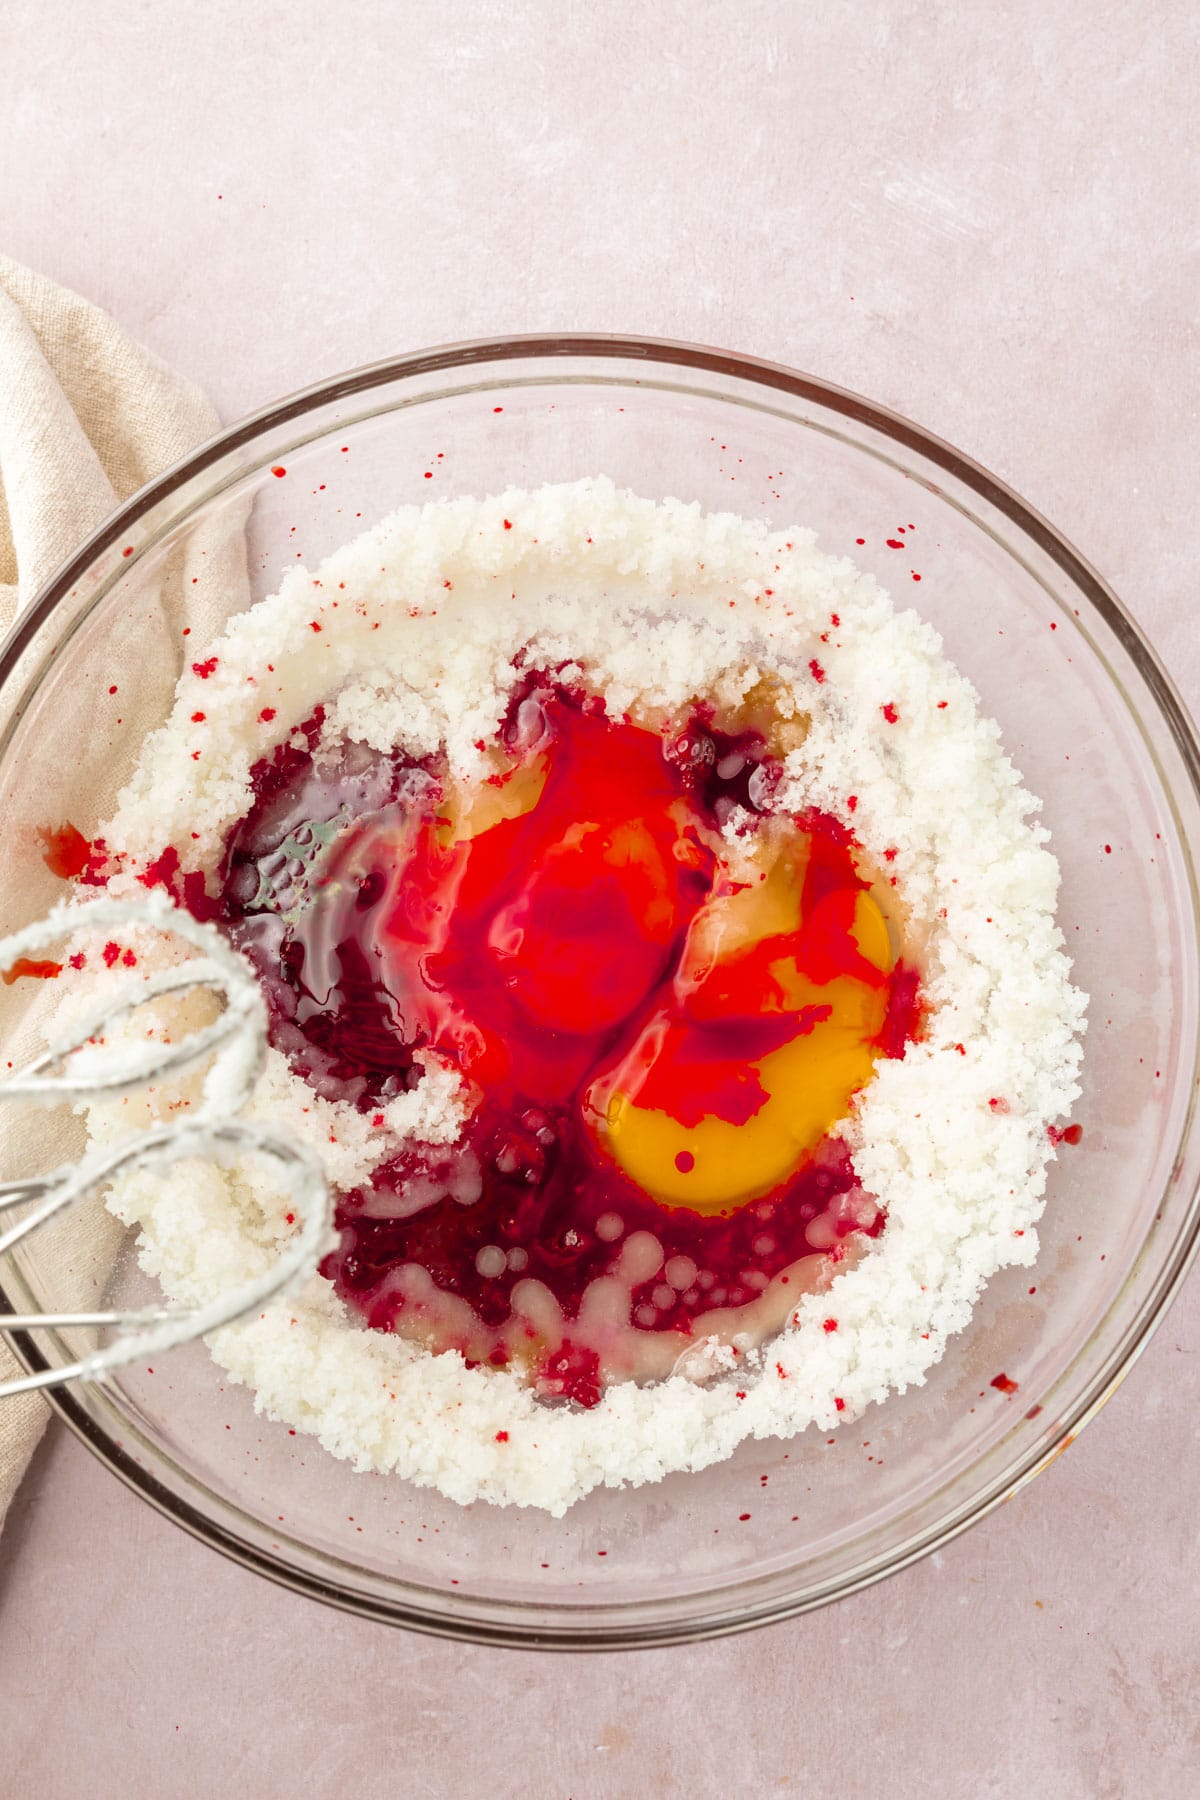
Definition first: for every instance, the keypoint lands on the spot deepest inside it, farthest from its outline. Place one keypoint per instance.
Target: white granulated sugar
(655, 605)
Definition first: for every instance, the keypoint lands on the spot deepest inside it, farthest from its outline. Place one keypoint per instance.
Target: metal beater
(80, 1064)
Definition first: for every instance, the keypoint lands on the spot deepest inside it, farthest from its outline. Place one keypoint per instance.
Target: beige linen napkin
(86, 418)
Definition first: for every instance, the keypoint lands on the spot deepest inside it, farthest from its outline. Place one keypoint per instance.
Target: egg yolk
(756, 1048)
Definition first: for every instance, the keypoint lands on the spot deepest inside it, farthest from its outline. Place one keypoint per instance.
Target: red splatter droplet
(685, 1162)
(37, 971)
(889, 712)
(66, 852)
(128, 550)
(279, 470)
(202, 669)
(267, 714)
(1005, 1384)
(816, 671)
(502, 1437)
(831, 1324)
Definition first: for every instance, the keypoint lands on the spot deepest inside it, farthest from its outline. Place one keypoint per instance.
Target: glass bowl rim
(597, 1625)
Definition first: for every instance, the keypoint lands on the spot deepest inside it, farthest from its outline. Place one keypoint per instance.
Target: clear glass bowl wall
(1089, 720)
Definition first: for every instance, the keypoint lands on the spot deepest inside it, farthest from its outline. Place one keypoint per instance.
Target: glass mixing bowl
(1090, 719)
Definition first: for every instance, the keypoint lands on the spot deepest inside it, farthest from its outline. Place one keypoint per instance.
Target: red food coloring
(852, 803)
(889, 712)
(1108, 849)
(1066, 1134)
(198, 718)
(685, 1162)
(203, 669)
(894, 543)
(914, 575)
(267, 714)
(35, 970)
(78, 960)
(279, 471)
(110, 953)
(496, 409)
(502, 1437)
(377, 934)
(113, 688)
(942, 705)
(128, 550)
(314, 625)
(816, 671)
(905, 1011)
(999, 1105)
(1005, 1384)
(508, 524)
(860, 540)
(186, 887)
(831, 1325)
(65, 851)
(1033, 1412)
(742, 1517)
(129, 959)
(839, 1403)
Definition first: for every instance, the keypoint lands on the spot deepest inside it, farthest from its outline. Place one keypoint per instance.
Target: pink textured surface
(982, 217)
